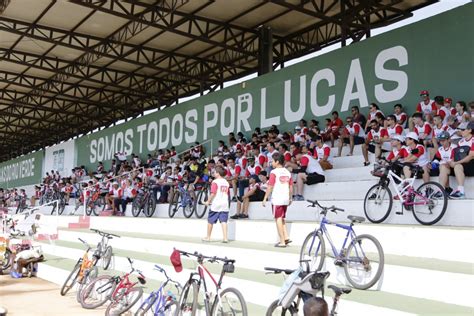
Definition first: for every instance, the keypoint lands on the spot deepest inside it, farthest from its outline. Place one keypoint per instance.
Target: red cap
(448, 100)
(423, 92)
(176, 261)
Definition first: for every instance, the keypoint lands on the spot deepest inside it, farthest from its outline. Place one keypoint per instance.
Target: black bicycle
(144, 202)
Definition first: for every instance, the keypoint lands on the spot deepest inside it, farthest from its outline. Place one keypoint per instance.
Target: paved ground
(26, 297)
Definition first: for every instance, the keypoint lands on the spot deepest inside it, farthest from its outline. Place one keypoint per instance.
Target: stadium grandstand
(138, 126)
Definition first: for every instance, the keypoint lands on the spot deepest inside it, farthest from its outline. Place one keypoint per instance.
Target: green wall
(21, 171)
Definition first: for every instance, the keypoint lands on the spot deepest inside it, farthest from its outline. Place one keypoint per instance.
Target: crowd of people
(437, 138)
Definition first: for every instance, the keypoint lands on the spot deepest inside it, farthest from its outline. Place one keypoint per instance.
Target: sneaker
(236, 216)
(299, 198)
(366, 163)
(457, 195)
(243, 216)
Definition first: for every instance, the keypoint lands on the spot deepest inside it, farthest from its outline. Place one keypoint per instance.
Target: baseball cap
(175, 259)
(448, 100)
(298, 127)
(400, 138)
(424, 92)
(412, 135)
(443, 135)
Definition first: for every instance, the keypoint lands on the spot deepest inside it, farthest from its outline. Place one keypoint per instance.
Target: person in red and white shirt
(261, 158)
(375, 140)
(422, 129)
(396, 142)
(280, 187)
(427, 106)
(232, 175)
(299, 136)
(444, 155)
(464, 166)
(333, 128)
(463, 117)
(283, 149)
(322, 153)
(401, 117)
(393, 128)
(251, 169)
(115, 196)
(448, 103)
(373, 110)
(304, 126)
(310, 172)
(254, 194)
(414, 154)
(438, 127)
(441, 109)
(353, 134)
(219, 204)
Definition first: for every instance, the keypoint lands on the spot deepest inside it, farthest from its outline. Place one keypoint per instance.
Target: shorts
(357, 140)
(468, 169)
(371, 148)
(257, 196)
(279, 211)
(213, 217)
(314, 178)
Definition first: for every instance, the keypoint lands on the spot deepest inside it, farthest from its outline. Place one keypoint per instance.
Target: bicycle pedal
(399, 213)
(338, 263)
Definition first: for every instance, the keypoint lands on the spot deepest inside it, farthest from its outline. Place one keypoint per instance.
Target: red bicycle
(119, 290)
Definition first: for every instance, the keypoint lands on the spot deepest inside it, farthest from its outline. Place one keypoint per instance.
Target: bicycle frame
(405, 186)
(123, 284)
(322, 228)
(185, 196)
(201, 271)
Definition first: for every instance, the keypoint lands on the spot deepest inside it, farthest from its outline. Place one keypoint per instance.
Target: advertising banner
(22, 171)
(60, 157)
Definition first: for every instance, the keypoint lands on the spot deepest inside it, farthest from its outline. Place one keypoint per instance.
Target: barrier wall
(387, 69)
(22, 171)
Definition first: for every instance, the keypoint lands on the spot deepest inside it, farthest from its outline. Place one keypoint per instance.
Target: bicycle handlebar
(278, 270)
(325, 209)
(105, 234)
(203, 257)
(85, 243)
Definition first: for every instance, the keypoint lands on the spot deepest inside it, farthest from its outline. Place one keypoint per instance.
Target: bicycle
(362, 260)
(157, 302)
(119, 290)
(181, 198)
(202, 197)
(21, 204)
(300, 286)
(226, 302)
(61, 204)
(84, 270)
(428, 203)
(95, 203)
(144, 201)
(104, 251)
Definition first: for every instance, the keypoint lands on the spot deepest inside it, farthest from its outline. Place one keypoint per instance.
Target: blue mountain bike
(181, 197)
(361, 256)
(158, 303)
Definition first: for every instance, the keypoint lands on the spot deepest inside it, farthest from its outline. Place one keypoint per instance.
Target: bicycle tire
(200, 207)
(419, 215)
(171, 308)
(274, 305)
(183, 304)
(378, 273)
(136, 209)
(61, 206)
(88, 291)
(377, 189)
(107, 257)
(99, 206)
(53, 209)
(304, 253)
(6, 260)
(173, 205)
(223, 312)
(72, 277)
(124, 299)
(188, 209)
(147, 304)
(89, 275)
(150, 206)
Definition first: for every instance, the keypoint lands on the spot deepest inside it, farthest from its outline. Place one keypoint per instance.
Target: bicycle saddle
(338, 290)
(356, 219)
(277, 270)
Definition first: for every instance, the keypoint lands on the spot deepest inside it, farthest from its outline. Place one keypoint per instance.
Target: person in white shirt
(280, 186)
(219, 204)
(352, 134)
(444, 155)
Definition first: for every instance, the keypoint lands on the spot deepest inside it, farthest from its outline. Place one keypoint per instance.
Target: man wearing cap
(444, 155)
(298, 136)
(463, 163)
(426, 106)
(414, 154)
(396, 143)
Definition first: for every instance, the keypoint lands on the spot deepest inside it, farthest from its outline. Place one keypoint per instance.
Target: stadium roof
(67, 68)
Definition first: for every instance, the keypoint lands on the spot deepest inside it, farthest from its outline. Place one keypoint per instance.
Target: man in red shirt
(414, 154)
(322, 153)
(352, 134)
(401, 117)
(427, 106)
(422, 129)
(334, 126)
(376, 137)
(393, 128)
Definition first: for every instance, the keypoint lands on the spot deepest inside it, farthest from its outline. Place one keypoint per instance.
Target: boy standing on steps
(281, 185)
(219, 202)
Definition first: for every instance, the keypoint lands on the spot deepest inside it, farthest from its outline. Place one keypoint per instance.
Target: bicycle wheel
(429, 203)
(188, 208)
(150, 206)
(136, 206)
(89, 206)
(173, 207)
(6, 260)
(188, 300)
(89, 275)
(61, 206)
(378, 203)
(147, 305)
(364, 262)
(98, 292)
(124, 302)
(171, 309)
(99, 205)
(232, 303)
(275, 310)
(200, 208)
(71, 279)
(107, 257)
(314, 250)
